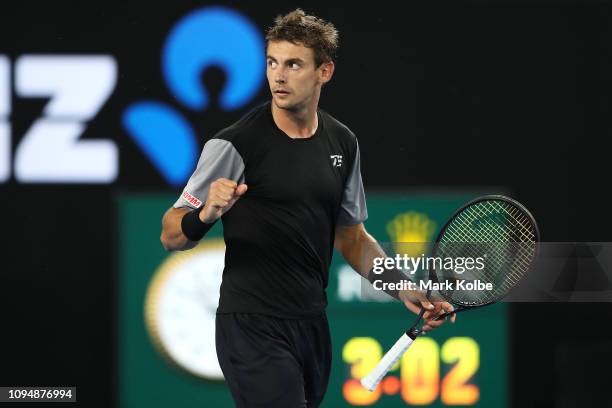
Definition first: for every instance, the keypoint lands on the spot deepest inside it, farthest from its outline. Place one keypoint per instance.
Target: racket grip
(371, 380)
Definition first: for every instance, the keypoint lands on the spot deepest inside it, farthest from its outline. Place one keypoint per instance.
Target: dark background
(512, 95)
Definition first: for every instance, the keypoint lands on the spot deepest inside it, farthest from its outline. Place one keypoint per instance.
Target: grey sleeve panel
(353, 209)
(219, 158)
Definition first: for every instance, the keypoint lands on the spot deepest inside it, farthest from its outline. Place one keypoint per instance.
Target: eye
(272, 64)
(295, 65)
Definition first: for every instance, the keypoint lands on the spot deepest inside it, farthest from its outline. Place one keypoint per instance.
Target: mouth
(281, 92)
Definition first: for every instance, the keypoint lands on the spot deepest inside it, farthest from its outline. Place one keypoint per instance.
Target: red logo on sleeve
(191, 199)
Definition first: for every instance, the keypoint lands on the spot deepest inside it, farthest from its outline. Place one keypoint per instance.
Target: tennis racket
(497, 228)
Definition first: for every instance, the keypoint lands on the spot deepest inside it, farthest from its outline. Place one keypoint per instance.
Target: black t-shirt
(279, 236)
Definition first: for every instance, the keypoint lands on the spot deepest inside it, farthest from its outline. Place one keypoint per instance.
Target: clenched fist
(222, 195)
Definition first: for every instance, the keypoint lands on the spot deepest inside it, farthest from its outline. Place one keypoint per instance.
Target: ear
(326, 71)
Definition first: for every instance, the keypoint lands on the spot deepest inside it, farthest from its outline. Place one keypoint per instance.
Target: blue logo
(211, 36)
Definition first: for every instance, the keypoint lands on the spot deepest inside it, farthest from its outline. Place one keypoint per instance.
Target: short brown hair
(309, 31)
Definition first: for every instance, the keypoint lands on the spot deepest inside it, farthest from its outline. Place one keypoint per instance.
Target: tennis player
(285, 180)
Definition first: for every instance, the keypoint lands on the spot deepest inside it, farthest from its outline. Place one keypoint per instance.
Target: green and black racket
(497, 228)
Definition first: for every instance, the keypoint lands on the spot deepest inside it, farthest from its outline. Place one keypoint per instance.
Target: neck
(298, 124)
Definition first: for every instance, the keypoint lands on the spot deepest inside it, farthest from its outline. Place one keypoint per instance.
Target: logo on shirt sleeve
(336, 160)
(191, 199)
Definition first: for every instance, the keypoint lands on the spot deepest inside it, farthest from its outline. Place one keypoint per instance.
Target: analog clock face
(181, 305)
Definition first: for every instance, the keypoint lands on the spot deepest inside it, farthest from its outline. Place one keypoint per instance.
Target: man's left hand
(414, 300)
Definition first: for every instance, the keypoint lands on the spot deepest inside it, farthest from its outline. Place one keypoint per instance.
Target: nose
(279, 76)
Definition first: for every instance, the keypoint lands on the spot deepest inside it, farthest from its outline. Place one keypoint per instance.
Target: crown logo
(410, 232)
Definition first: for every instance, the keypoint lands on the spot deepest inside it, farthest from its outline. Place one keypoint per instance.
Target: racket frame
(371, 380)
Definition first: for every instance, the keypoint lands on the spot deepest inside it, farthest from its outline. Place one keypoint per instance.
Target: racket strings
(521, 227)
(498, 271)
(519, 224)
(458, 232)
(518, 231)
(502, 276)
(501, 231)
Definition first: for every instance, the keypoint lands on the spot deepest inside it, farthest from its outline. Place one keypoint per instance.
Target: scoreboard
(167, 303)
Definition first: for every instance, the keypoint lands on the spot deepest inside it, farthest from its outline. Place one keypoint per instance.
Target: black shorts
(272, 362)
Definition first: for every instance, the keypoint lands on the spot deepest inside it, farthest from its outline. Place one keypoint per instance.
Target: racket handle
(371, 380)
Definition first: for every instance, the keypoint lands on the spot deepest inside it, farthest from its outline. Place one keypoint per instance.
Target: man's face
(292, 75)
